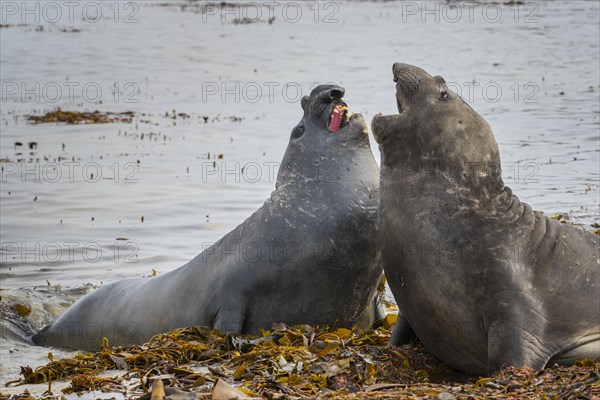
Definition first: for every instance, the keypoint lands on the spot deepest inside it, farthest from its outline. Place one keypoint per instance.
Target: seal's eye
(395, 78)
(298, 132)
(443, 93)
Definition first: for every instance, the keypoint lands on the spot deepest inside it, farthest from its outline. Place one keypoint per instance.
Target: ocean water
(216, 93)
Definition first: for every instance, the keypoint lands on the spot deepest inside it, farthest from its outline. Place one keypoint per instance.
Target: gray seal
(485, 281)
(309, 255)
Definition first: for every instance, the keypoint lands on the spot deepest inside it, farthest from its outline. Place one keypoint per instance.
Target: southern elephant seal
(309, 255)
(484, 281)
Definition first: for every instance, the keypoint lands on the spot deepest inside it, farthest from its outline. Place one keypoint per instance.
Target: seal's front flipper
(230, 319)
(511, 344)
(589, 350)
(402, 332)
(41, 338)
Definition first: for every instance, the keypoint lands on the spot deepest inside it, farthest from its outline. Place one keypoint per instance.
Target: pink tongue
(336, 121)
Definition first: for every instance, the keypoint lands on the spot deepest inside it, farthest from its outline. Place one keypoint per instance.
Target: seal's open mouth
(339, 117)
(398, 103)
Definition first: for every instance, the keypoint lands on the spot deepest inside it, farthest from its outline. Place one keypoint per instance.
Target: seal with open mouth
(309, 255)
(484, 281)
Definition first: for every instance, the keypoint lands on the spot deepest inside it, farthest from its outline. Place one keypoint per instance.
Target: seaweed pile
(301, 362)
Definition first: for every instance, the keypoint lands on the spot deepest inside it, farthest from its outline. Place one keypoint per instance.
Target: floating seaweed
(81, 117)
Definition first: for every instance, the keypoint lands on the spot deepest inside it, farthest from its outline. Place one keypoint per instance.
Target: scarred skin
(485, 281)
(309, 255)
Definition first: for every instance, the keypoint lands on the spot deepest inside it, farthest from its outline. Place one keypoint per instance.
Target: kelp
(304, 362)
(81, 117)
(565, 218)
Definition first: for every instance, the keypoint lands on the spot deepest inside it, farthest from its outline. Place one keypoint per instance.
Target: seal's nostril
(336, 94)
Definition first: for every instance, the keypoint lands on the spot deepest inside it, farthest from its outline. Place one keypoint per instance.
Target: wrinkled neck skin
(417, 150)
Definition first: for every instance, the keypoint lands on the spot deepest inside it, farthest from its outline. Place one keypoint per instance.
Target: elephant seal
(309, 255)
(484, 281)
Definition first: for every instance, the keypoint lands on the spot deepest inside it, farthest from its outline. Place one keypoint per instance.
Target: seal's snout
(336, 94)
(331, 93)
(397, 69)
(411, 84)
(401, 68)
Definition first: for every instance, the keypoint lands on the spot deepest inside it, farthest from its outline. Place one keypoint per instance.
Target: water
(531, 71)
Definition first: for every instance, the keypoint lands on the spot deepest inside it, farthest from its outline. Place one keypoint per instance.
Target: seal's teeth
(339, 116)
